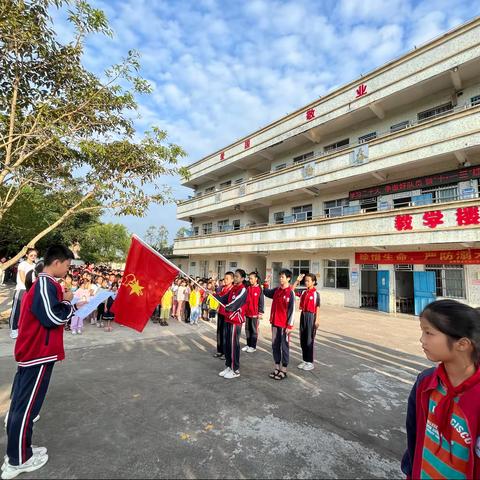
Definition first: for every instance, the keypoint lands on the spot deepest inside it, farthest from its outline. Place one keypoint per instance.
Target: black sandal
(274, 373)
(280, 376)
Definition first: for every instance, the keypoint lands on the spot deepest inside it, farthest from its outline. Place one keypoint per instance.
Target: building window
(233, 265)
(475, 100)
(366, 138)
(445, 193)
(209, 189)
(299, 267)
(203, 268)
(302, 158)
(278, 217)
(336, 274)
(302, 213)
(280, 167)
(193, 264)
(450, 280)
(222, 225)
(226, 184)
(369, 204)
(195, 231)
(435, 112)
(402, 202)
(400, 126)
(236, 224)
(337, 145)
(335, 208)
(220, 268)
(207, 228)
(238, 180)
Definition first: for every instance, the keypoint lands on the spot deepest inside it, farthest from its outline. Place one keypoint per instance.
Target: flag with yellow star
(146, 277)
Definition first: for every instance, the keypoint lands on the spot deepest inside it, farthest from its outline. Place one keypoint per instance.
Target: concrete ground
(129, 405)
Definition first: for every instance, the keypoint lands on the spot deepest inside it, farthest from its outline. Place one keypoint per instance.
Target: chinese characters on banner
(453, 176)
(443, 257)
(465, 216)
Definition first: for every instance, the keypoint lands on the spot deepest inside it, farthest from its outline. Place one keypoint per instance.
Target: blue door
(383, 289)
(424, 290)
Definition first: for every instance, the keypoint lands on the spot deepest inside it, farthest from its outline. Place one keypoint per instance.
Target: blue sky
(223, 68)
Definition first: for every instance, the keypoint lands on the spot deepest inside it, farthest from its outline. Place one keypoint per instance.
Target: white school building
(373, 187)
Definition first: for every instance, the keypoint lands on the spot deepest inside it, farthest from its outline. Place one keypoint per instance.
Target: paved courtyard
(129, 405)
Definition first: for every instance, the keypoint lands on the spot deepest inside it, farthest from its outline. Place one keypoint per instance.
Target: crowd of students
(443, 414)
(83, 281)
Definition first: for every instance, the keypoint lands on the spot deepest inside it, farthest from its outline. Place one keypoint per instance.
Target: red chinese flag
(146, 278)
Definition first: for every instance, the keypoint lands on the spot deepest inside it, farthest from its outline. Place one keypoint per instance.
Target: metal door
(383, 290)
(424, 290)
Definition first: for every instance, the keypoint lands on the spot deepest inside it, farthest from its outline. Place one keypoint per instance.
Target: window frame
(434, 112)
(397, 127)
(331, 265)
(367, 137)
(441, 280)
(275, 221)
(205, 228)
(339, 145)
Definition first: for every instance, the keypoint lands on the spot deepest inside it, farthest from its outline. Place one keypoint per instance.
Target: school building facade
(373, 187)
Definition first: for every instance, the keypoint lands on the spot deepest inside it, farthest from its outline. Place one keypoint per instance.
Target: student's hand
(300, 277)
(317, 323)
(260, 315)
(289, 327)
(68, 295)
(80, 304)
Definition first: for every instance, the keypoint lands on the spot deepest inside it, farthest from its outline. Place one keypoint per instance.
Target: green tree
(157, 237)
(67, 130)
(107, 242)
(182, 232)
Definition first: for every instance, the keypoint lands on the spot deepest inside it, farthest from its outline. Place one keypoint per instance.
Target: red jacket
(234, 301)
(43, 315)
(223, 292)
(283, 306)
(309, 300)
(417, 414)
(255, 301)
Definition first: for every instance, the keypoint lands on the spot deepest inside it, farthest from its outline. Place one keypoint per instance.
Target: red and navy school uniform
(39, 345)
(253, 308)
(234, 301)
(221, 322)
(282, 316)
(309, 302)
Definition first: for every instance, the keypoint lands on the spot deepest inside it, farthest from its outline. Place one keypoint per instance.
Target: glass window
(203, 268)
(366, 138)
(445, 193)
(337, 145)
(335, 208)
(209, 189)
(226, 184)
(236, 224)
(299, 267)
(475, 100)
(222, 225)
(220, 268)
(195, 231)
(239, 180)
(281, 166)
(303, 212)
(450, 280)
(207, 228)
(435, 112)
(400, 126)
(401, 202)
(302, 158)
(278, 217)
(233, 265)
(336, 274)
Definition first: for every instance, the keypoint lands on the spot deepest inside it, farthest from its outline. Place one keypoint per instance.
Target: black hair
(57, 252)
(31, 250)
(32, 275)
(229, 273)
(456, 320)
(312, 276)
(241, 272)
(257, 276)
(286, 272)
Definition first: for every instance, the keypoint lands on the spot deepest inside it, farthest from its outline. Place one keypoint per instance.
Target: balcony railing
(345, 211)
(412, 122)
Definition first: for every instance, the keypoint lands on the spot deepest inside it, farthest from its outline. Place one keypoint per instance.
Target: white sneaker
(35, 451)
(301, 366)
(74, 332)
(245, 349)
(308, 366)
(232, 374)
(13, 334)
(251, 350)
(33, 463)
(224, 372)
(79, 332)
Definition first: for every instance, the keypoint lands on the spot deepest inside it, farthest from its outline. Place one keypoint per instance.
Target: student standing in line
(24, 267)
(39, 345)
(443, 417)
(309, 318)
(194, 302)
(281, 318)
(253, 312)
(227, 286)
(234, 301)
(182, 286)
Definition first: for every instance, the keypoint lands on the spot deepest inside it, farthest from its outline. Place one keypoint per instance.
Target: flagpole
(144, 243)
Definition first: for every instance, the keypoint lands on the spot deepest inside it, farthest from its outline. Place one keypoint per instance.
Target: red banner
(445, 257)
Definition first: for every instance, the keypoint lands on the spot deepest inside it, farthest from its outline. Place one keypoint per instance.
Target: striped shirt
(448, 462)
